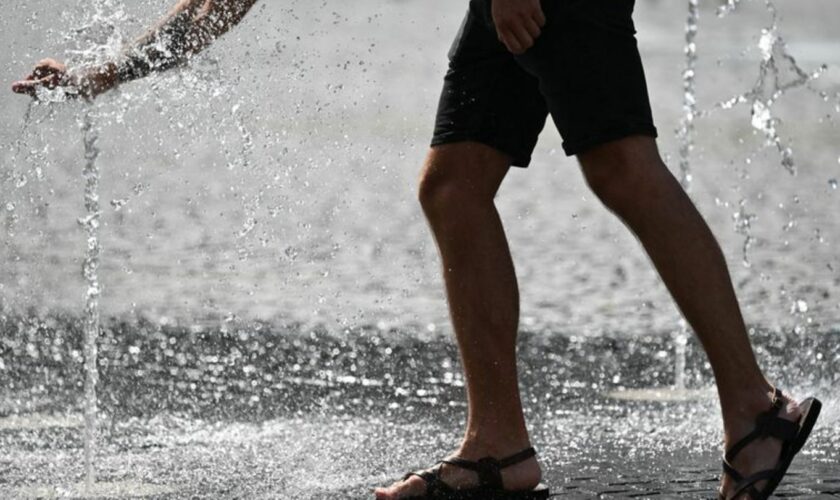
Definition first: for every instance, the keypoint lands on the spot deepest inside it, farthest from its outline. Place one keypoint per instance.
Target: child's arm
(188, 29)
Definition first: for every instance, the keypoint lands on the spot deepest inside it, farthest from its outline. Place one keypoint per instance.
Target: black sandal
(489, 487)
(768, 424)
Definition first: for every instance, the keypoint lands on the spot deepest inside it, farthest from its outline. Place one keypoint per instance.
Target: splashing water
(27, 119)
(250, 205)
(686, 131)
(680, 347)
(771, 84)
(178, 393)
(743, 225)
(90, 271)
(728, 7)
(98, 40)
(16, 177)
(685, 135)
(101, 38)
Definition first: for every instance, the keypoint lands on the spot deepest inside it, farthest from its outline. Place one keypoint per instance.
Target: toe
(411, 487)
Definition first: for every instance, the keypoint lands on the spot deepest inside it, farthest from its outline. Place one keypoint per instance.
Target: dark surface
(271, 411)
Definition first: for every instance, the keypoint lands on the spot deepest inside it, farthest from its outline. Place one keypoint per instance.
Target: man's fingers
(523, 37)
(511, 42)
(539, 16)
(533, 28)
(517, 41)
(518, 25)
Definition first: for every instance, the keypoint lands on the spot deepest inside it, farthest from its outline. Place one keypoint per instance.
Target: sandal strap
(728, 469)
(431, 477)
(767, 424)
(489, 469)
(738, 478)
(748, 484)
(517, 458)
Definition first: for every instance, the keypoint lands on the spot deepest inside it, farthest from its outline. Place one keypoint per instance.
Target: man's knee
(458, 176)
(625, 172)
(437, 189)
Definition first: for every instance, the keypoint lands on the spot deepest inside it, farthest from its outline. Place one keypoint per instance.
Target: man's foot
(522, 476)
(761, 454)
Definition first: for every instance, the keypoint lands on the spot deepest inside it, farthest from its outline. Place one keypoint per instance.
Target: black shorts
(584, 69)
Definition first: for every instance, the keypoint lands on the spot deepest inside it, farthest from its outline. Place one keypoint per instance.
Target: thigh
(487, 96)
(590, 72)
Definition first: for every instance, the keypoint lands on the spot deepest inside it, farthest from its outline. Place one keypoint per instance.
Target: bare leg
(457, 187)
(630, 178)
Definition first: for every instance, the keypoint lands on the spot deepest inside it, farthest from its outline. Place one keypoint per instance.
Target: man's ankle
(740, 410)
(496, 445)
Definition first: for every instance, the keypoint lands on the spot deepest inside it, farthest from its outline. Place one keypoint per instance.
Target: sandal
(768, 424)
(490, 486)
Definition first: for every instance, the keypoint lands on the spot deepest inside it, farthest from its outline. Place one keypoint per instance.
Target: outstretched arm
(190, 27)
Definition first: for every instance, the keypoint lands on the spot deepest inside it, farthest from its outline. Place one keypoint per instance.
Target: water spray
(90, 270)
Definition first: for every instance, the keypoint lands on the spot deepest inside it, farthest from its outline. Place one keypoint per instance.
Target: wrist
(97, 80)
(133, 65)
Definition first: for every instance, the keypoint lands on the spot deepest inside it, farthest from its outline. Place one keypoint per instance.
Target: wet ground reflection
(271, 411)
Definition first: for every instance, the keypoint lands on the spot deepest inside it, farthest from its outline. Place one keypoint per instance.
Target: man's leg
(457, 187)
(631, 180)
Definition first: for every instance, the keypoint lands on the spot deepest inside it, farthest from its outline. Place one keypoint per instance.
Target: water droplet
(832, 183)
(761, 118)
(769, 39)
(10, 206)
(118, 204)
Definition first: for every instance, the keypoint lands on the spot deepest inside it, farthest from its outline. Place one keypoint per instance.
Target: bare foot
(522, 476)
(761, 454)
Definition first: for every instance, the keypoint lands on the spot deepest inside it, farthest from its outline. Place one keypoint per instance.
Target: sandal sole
(541, 492)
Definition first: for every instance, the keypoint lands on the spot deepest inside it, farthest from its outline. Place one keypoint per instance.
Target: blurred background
(275, 178)
(261, 240)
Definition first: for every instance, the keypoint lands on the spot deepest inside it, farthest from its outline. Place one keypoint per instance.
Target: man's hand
(518, 23)
(51, 74)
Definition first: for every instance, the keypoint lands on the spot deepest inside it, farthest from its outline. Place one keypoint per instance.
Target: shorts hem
(573, 148)
(518, 158)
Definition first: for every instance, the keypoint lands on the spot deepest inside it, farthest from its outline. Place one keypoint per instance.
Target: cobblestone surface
(801, 483)
(220, 415)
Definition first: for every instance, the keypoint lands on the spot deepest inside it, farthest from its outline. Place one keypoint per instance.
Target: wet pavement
(268, 411)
